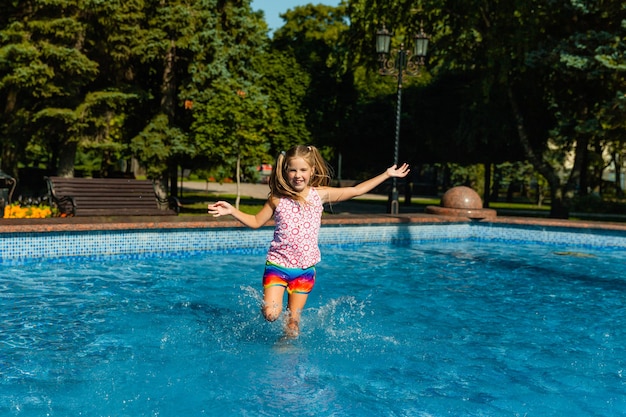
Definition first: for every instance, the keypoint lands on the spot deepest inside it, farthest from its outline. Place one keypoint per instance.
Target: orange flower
(15, 211)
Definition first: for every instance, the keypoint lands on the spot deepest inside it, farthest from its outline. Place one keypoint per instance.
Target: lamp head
(383, 40)
(420, 48)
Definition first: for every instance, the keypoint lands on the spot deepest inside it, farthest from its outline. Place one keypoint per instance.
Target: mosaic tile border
(23, 248)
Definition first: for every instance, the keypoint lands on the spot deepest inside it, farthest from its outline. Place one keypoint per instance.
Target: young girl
(298, 190)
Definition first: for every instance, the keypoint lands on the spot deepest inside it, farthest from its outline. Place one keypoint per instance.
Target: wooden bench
(108, 197)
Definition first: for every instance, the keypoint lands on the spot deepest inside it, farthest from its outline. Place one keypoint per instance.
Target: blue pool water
(422, 329)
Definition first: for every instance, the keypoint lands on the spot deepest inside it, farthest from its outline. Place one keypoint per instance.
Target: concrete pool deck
(208, 222)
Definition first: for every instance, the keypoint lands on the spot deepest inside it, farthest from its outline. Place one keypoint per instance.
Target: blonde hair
(320, 177)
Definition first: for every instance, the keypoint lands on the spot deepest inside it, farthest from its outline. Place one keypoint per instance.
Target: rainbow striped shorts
(296, 280)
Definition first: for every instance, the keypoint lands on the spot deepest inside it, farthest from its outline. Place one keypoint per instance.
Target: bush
(595, 204)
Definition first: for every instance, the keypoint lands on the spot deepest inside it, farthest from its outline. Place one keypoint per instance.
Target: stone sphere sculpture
(461, 201)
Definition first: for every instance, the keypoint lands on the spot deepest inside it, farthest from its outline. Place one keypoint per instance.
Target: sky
(273, 8)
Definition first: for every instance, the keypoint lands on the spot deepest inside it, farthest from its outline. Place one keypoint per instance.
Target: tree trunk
(67, 156)
(173, 177)
(168, 88)
(8, 155)
(578, 177)
(11, 101)
(168, 97)
(495, 189)
(8, 159)
(487, 185)
(558, 208)
(617, 161)
(238, 175)
(160, 189)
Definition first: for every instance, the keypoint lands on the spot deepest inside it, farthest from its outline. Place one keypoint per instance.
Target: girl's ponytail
(323, 172)
(278, 183)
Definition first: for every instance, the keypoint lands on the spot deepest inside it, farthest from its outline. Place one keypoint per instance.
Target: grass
(518, 206)
(195, 203)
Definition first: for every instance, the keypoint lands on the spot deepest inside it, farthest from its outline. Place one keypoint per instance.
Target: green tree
(286, 84)
(497, 43)
(231, 117)
(166, 50)
(64, 78)
(43, 66)
(583, 75)
(313, 35)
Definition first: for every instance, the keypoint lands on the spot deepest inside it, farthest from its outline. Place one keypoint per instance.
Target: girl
(298, 190)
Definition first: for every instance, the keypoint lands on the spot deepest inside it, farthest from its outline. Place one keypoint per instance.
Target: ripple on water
(425, 329)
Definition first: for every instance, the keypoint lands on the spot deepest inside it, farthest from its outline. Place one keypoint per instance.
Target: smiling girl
(299, 186)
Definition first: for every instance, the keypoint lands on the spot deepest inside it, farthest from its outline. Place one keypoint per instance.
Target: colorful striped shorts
(296, 280)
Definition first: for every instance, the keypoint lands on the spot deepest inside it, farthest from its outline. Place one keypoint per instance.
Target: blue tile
(20, 248)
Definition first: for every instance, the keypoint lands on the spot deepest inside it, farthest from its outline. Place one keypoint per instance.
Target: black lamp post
(398, 63)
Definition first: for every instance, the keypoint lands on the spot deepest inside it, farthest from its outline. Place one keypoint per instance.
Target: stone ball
(461, 198)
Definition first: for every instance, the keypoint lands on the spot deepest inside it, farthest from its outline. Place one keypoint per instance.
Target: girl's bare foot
(292, 329)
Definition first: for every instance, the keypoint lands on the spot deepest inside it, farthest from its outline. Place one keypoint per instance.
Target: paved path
(247, 189)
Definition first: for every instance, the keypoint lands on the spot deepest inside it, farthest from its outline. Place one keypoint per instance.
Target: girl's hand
(220, 208)
(400, 172)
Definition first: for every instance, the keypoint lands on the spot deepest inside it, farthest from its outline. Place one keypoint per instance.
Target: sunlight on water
(421, 330)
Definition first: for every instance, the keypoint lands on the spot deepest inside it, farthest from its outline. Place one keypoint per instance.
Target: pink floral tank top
(296, 232)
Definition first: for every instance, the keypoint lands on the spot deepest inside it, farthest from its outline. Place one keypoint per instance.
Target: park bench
(108, 197)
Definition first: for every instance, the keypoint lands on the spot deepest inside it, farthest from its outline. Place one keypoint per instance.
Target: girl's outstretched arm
(223, 208)
(334, 195)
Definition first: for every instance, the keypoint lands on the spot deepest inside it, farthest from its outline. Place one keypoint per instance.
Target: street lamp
(398, 63)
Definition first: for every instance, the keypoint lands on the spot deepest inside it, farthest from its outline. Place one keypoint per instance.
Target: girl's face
(299, 174)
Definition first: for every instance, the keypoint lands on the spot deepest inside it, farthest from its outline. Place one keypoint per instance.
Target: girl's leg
(273, 302)
(295, 305)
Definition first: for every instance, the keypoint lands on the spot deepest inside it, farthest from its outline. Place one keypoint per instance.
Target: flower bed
(16, 211)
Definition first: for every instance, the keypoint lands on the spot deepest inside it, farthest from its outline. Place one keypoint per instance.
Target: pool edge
(206, 222)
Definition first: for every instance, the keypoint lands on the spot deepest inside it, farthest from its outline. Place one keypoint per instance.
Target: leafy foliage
(199, 83)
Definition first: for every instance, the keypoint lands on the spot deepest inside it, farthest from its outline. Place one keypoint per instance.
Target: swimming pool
(457, 327)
